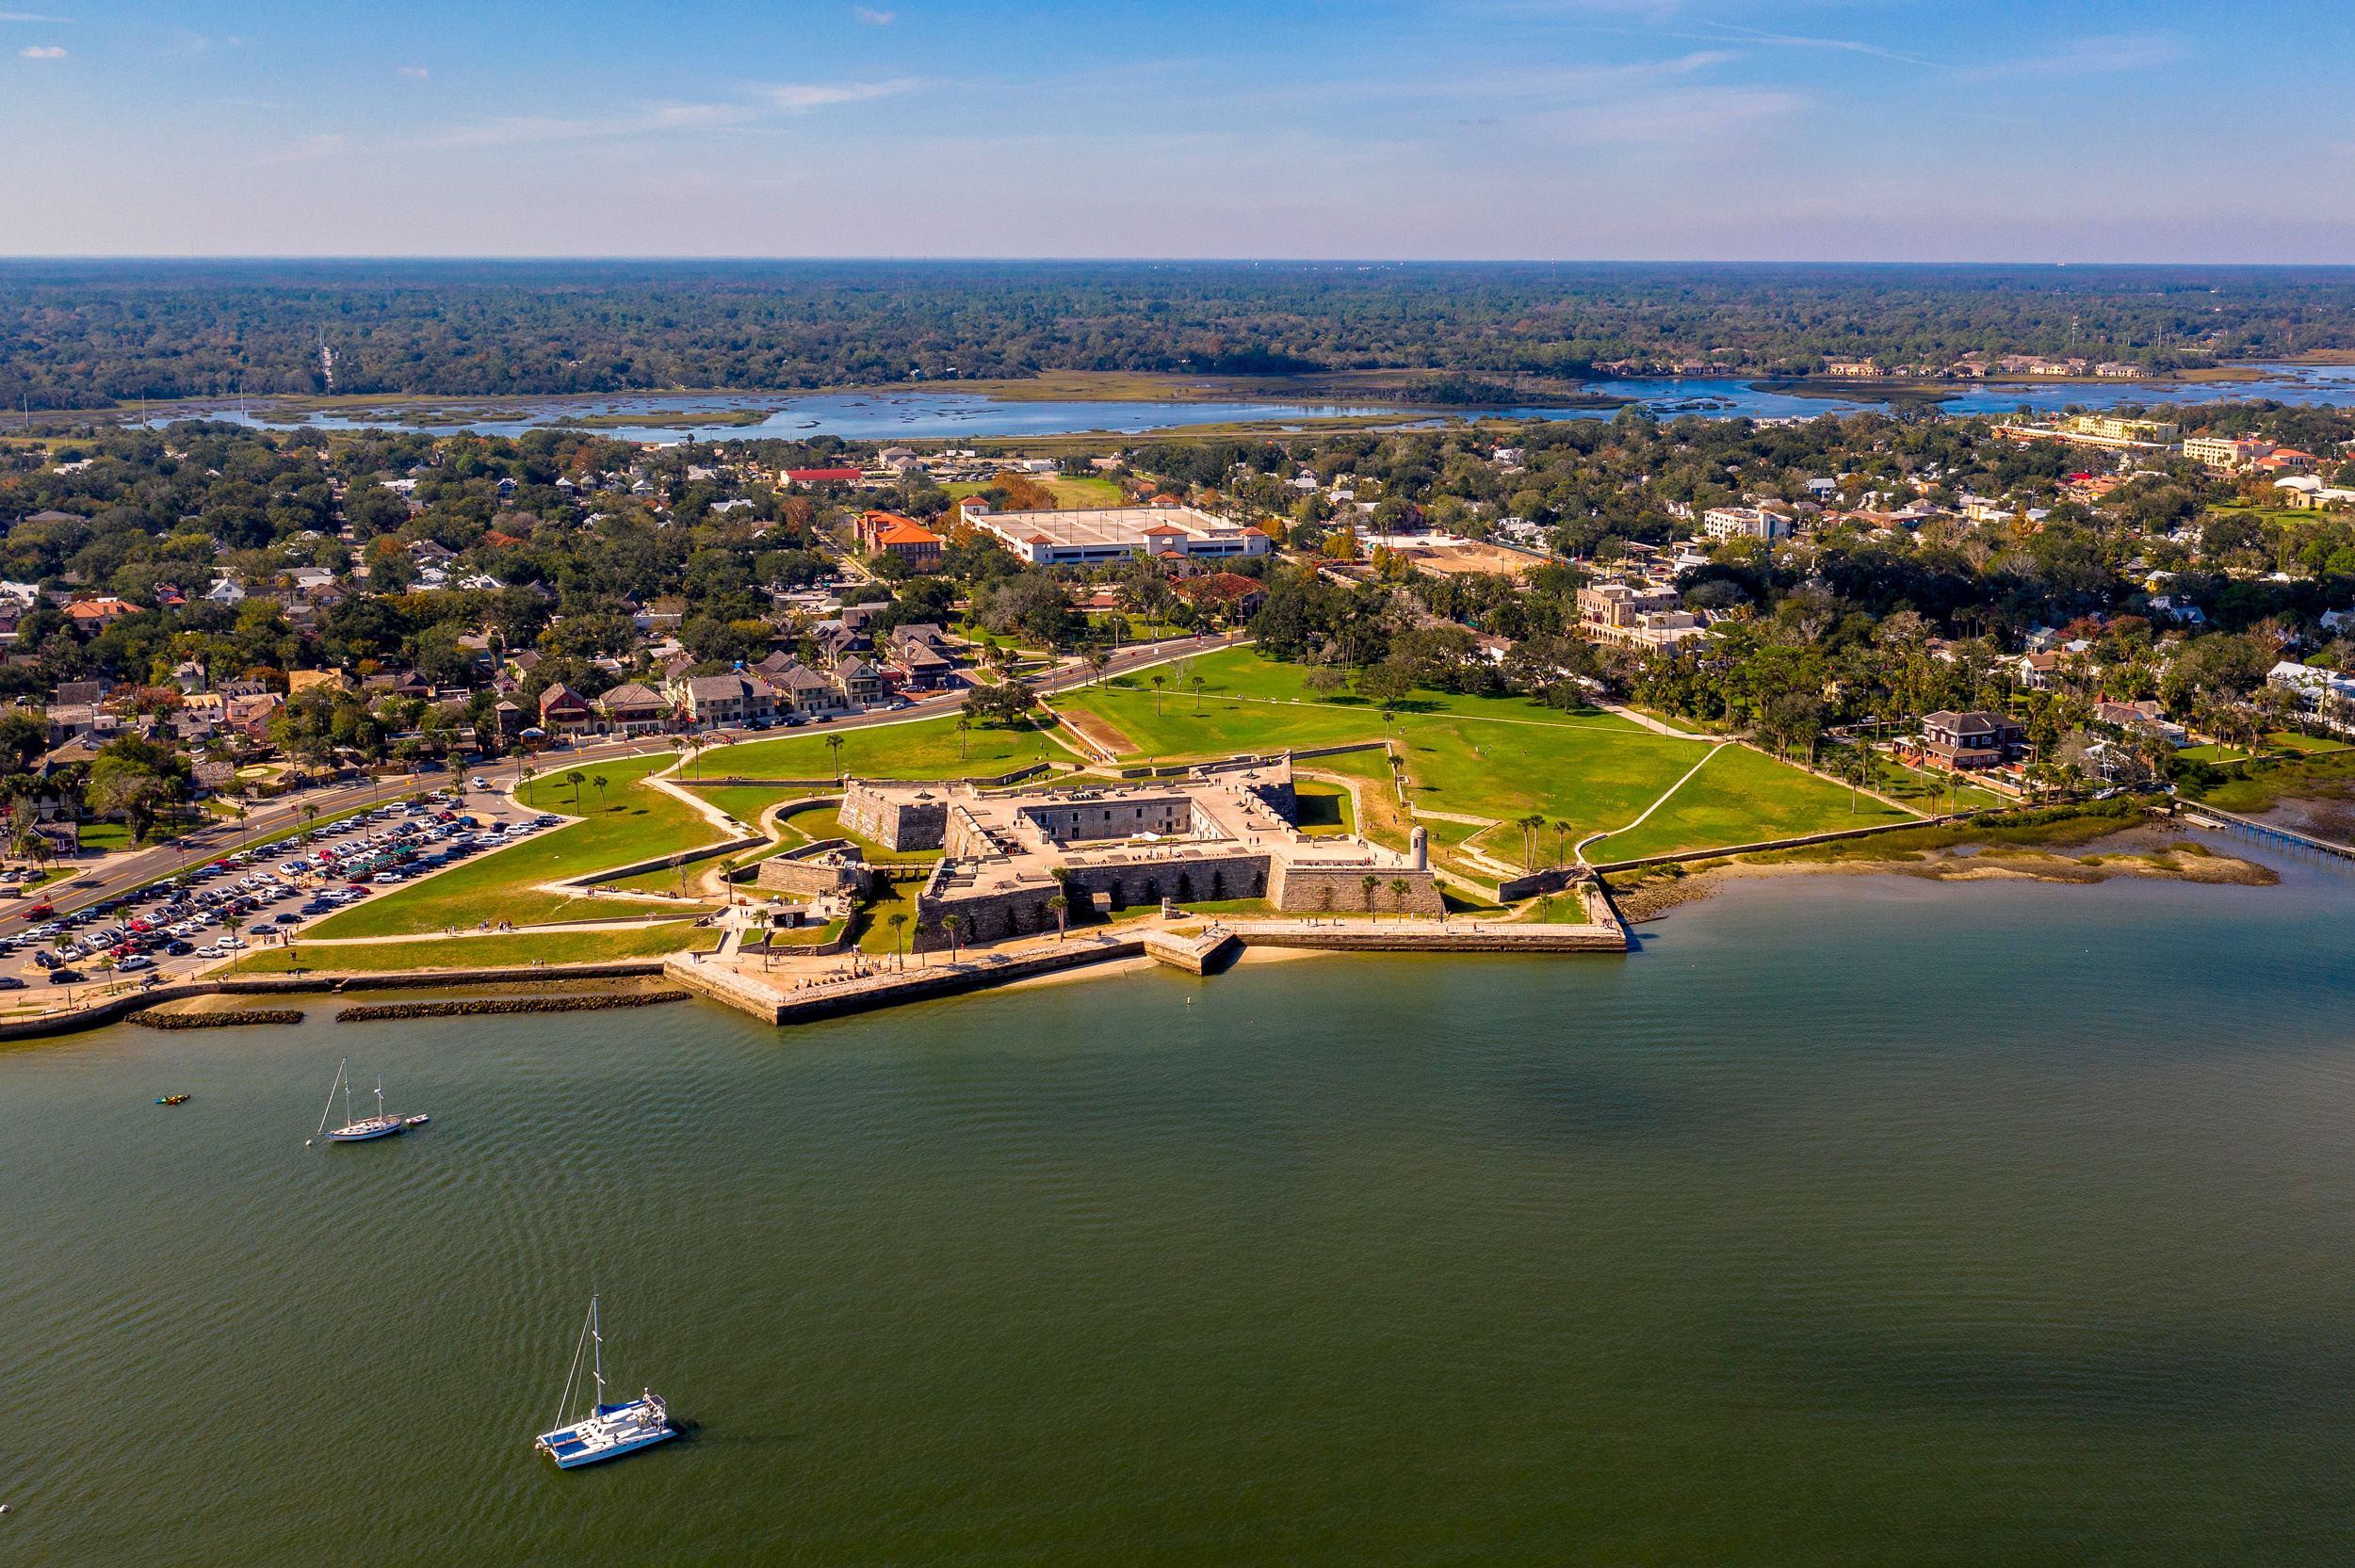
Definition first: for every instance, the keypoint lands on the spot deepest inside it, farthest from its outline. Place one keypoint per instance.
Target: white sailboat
(609, 1431)
(364, 1129)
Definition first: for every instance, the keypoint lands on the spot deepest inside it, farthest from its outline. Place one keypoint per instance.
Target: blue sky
(1490, 128)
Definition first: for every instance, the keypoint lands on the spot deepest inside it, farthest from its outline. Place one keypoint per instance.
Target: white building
(1745, 523)
(1108, 533)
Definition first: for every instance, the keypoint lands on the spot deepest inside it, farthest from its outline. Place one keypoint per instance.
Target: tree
(896, 919)
(597, 784)
(1059, 905)
(1197, 682)
(1097, 657)
(952, 924)
(727, 877)
(1400, 887)
(1157, 695)
(575, 779)
(834, 748)
(1369, 885)
(1529, 826)
(963, 726)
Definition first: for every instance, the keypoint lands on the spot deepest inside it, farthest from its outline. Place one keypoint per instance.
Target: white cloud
(417, 72)
(874, 19)
(42, 52)
(325, 145)
(2093, 56)
(799, 98)
(27, 16)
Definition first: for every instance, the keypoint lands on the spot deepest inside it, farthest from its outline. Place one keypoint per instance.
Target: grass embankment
(927, 749)
(633, 822)
(1744, 792)
(481, 952)
(2256, 787)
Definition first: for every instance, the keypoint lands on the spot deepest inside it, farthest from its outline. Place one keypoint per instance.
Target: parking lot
(261, 896)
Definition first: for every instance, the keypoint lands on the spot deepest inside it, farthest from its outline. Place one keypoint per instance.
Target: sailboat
(608, 1431)
(366, 1127)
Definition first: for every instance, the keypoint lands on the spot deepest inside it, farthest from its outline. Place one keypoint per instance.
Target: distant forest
(88, 334)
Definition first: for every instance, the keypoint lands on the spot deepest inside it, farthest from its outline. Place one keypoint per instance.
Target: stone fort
(1227, 830)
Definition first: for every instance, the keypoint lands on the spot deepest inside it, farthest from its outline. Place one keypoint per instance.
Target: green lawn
(1744, 796)
(634, 822)
(744, 803)
(1324, 809)
(467, 952)
(1913, 788)
(928, 748)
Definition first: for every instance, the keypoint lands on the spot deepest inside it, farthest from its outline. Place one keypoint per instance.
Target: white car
(228, 945)
(478, 781)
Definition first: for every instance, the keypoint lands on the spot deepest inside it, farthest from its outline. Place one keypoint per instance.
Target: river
(1854, 1219)
(952, 416)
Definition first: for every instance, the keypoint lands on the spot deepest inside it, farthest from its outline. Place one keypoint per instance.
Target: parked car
(133, 962)
(178, 948)
(65, 977)
(9, 982)
(288, 918)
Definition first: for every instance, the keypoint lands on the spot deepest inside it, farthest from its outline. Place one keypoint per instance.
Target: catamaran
(366, 1127)
(608, 1431)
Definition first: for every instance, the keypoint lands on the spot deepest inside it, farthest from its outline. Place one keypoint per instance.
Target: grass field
(1493, 756)
(745, 802)
(468, 952)
(635, 822)
(927, 749)
(1742, 797)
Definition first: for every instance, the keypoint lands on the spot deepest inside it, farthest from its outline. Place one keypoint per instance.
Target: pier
(2265, 832)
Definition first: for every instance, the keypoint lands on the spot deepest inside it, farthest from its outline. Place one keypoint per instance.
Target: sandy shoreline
(2158, 852)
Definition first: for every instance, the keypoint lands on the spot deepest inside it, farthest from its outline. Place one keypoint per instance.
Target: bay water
(1853, 1219)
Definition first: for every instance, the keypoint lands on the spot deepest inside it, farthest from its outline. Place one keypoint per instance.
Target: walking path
(1581, 850)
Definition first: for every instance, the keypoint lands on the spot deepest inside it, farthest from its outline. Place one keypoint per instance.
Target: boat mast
(597, 1332)
(379, 1098)
(330, 1108)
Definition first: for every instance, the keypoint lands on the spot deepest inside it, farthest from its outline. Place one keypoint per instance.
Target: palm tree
(1529, 826)
(1059, 905)
(727, 877)
(310, 815)
(963, 726)
(597, 784)
(1198, 683)
(834, 745)
(575, 779)
(896, 919)
(1157, 696)
(1097, 657)
(1398, 775)
(1398, 889)
(952, 924)
(1370, 885)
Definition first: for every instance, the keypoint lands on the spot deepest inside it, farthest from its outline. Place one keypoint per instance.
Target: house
(1225, 592)
(406, 682)
(90, 614)
(822, 476)
(224, 591)
(724, 699)
(1610, 612)
(562, 708)
(2145, 716)
(661, 615)
(635, 709)
(2313, 684)
(1968, 740)
(84, 693)
(860, 682)
(798, 688)
(919, 653)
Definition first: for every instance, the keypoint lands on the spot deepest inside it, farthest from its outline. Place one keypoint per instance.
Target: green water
(1854, 1221)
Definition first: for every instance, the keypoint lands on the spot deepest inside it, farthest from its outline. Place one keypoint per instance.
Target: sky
(1765, 130)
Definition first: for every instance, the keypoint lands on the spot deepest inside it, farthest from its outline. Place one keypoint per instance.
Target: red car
(41, 912)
